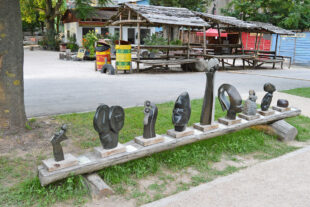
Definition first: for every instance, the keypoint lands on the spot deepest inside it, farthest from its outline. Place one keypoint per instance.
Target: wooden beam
(97, 187)
(276, 49)
(129, 14)
(139, 42)
(188, 42)
(240, 38)
(126, 21)
(120, 30)
(204, 41)
(89, 162)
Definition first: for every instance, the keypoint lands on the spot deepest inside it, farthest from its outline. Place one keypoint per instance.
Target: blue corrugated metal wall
(296, 47)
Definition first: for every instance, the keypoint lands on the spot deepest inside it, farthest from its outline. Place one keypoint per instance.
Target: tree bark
(50, 32)
(12, 110)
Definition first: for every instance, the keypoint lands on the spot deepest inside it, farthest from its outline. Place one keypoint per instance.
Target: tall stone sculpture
(232, 106)
(181, 112)
(108, 121)
(266, 101)
(150, 116)
(207, 113)
(56, 139)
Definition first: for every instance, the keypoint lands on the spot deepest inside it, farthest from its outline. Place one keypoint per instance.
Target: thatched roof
(227, 22)
(233, 24)
(271, 28)
(160, 15)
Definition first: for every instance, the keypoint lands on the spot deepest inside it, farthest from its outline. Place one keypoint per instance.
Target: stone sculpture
(234, 104)
(181, 112)
(56, 139)
(108, 121)
(150, 116)
(266, 101)
(250, 104)
(207, 113)
(282, 103)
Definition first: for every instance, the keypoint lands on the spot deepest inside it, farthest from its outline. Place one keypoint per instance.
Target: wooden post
(129, 14)
(188, 42)
(219, 33)
(276, 49)
(240, 37)
(139, 42)
(294, 49)
(204, 41)
(182, 35)
(169, 37)
(260, 37)
(256, 41)
(120, 30)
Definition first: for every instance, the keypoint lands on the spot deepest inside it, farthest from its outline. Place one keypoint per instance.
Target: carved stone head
(150, 116)
(181, 112)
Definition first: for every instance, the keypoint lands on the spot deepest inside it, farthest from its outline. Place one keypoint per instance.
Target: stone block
(205, 128)
(176, 134)
(146, 142)
(249, 117)
(281, 109)
(266, 113)
(109, 152)
(52, 165)
(229, 122)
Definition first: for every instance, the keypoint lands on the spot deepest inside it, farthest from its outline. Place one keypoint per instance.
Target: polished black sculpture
(282, 103)
(266, 101)
(181, 112)
(207, 113)
(234, 104)
(150, 116)
(56, 139)
(108, 121)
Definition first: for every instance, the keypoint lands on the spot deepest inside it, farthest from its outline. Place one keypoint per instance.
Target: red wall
(248, 40)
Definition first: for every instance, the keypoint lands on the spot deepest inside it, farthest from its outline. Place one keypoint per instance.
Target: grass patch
(199, 156)
(304, 92)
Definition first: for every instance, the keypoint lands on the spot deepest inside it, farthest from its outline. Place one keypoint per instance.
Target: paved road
(53, 86)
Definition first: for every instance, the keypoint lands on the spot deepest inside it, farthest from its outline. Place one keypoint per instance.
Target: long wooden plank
(90, 162)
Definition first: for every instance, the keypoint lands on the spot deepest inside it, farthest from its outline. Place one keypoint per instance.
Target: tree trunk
(50, 32)
(12, 110)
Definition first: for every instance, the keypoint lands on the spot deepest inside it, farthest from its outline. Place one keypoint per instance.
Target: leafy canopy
(195, 5)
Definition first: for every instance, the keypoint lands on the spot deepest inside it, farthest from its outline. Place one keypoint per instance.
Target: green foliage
(291, 14)
(155, 39)
(195, 5)
(89, 42)
(176, 42)
(72, 44)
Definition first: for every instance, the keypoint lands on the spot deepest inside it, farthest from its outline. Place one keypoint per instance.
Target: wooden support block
(281, 109)
(176, 134)
(97, 187)
(284, 130)
(52, 165)
(205, 128)
(229, 122)
(109, 152)
(249, 117)
(146, 142)
(266, 113)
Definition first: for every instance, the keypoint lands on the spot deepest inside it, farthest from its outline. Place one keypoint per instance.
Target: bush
(89, 42)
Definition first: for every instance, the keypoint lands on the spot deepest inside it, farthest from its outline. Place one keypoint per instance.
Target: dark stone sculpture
(250, 104)
(56, 139)
(234, 105)
(108, 121)
(181, 112)
(269, 88)
(282, 103)
(150, 116)
(207, 113)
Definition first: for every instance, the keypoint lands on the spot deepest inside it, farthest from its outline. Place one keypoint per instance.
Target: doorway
(131, 35)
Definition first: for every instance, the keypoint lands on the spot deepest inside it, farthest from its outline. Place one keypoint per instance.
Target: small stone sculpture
(207, 113)
(150, 116)
(266, 101)
(282, 103)
(56, 139)
(234, 105)
(108, 121)
(250, 104)
(181, 112)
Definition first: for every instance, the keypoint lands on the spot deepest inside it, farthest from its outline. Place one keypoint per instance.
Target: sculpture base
(281, 109)
(205, 128)
(52, 165)
(266, 113)
(176, 134)
(150, 141)
(249, 117)
(109, 152)
(229, 122)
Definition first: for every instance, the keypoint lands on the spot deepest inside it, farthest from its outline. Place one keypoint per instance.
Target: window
(86, 30)
(104, 31)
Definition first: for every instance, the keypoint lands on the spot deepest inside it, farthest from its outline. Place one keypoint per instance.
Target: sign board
(81, 53)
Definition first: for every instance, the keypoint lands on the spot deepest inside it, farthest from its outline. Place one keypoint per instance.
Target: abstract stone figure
(250, 104)
(282, 103)
(266, 101)
(181, 112)
(56, 139)
(234, 104)
(150, 116)
(108, 121)
(207, 113)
